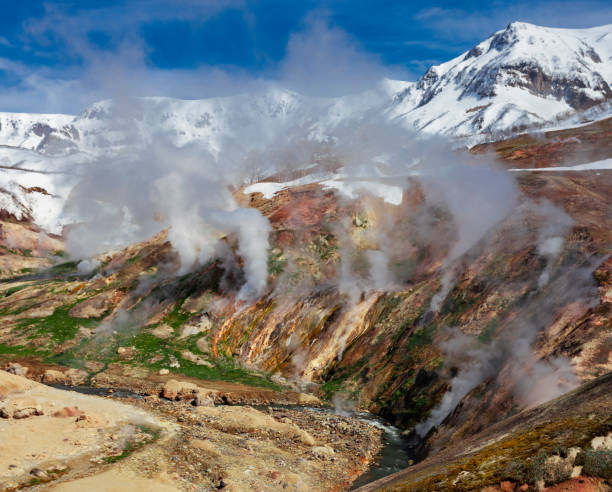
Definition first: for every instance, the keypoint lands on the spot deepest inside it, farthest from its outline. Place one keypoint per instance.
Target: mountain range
(521, 77)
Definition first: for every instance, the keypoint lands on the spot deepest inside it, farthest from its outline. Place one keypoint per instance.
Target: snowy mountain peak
(520, 76)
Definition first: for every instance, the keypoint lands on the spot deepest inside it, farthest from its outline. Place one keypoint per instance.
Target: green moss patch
(155, 354)
(517, 457)
(332, 386)
(66, 267)
(21, 351)
(60, 327)
(133, 445)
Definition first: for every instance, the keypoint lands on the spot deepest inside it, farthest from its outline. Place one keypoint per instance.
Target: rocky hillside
(555, 446)
(526, 316)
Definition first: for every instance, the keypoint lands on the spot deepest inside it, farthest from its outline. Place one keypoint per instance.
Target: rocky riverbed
(180, 438)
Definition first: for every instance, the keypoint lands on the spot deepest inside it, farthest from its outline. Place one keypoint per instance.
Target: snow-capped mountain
(521, 77)
(260, 117)
(107, 125)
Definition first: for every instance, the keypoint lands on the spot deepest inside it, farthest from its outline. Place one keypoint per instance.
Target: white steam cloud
(123, 199)
(511, 354)
(147, 182)
(479, 198)
(551, 238)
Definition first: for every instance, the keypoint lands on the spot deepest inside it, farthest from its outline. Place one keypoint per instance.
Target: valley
(251, 291)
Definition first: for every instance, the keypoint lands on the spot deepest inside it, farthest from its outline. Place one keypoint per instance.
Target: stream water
(395, 454)
(91, 390)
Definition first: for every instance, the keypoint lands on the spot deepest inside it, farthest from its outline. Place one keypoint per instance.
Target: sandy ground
(114, 480)
(47, 442)
(203, 448)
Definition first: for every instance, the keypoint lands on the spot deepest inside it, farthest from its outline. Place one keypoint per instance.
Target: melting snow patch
(268, 190)
(352, 189)
(590, 166)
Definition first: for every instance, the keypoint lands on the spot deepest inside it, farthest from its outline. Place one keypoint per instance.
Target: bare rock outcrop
(182, 390)
(72, 377)
(93, 307)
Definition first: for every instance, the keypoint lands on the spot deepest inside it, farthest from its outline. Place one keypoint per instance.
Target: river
(394, 456)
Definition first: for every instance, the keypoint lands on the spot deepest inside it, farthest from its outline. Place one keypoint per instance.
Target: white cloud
(323, 60)
(461, 25)
(119, 69)
(430, 12)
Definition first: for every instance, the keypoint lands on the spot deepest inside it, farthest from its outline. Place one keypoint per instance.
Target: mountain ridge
(523, 62)
(554, 73)
(523, 77)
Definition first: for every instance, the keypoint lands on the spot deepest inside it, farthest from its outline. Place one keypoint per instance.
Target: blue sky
(60, 56)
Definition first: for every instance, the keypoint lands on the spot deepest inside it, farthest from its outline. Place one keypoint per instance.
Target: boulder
(125, 353)
(72, 377)
(196, 359)
(179, 390)
(24, 413)
(75, 377)
(16, 369)
(51, 376)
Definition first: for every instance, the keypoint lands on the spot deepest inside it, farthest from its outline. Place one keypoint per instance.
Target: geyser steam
(131, 197)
